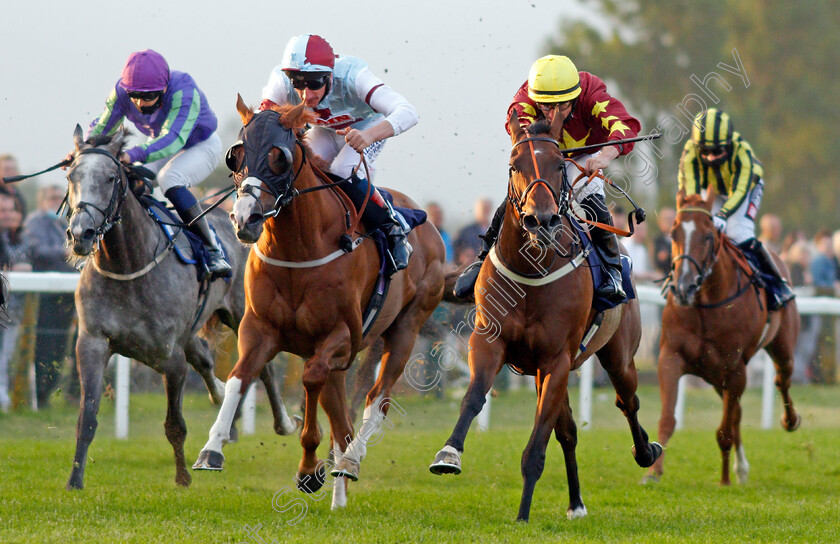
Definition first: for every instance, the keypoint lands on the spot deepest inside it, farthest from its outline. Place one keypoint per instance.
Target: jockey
(356, 113)
(715, 152)
(590, 116)
(183, 147)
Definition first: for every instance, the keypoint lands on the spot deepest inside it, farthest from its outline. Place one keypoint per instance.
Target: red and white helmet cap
(308, 53)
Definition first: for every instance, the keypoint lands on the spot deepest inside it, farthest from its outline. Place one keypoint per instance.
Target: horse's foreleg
(552, 397)
(200, 357)
(485, 361)
(566, 433)
(740, 465)
(257, 345)
(91, 357)
(726, 431)
(175, 427)
(669, 370)
(283, 424)
(334, 401)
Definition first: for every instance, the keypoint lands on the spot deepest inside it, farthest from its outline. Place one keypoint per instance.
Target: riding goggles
(301, 82)
(144, 95)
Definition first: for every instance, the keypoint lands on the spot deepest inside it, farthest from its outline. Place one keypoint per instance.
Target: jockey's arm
(601, 160)
(399, 114)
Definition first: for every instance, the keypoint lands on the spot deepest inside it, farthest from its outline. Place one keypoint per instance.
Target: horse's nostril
(530, 223)
(88, 234)
(255, 219)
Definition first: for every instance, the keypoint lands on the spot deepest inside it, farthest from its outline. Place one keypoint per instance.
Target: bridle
(517, 200)
(110, 215)
(713, 250)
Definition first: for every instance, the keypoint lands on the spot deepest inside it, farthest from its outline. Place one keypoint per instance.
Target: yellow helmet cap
(553, 78)
(711, 128)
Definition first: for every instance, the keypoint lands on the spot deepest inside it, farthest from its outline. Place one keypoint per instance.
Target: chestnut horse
(533, 313)
(714, 321)
(306, 296)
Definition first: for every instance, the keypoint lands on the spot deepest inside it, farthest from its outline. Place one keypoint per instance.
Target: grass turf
(793, 494)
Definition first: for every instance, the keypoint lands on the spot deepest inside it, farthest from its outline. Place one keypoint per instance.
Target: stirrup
(217, 265)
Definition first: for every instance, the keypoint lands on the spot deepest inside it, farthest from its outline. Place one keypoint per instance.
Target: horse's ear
(515, 127)
(680, 198)
(244, 111)
(117, 140)
(78, 138)
(291, 118)
(556, 128)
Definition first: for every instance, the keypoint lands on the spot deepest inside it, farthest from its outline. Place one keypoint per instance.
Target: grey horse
(136, 299)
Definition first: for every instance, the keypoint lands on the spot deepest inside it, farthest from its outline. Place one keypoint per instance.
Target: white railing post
(587, 375)
(484, 414)
(123, 379)
(679, 409)
(768, 392)
(249, 410)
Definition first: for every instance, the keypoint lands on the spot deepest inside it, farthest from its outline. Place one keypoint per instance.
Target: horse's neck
(723, 280)
(310, 226)
(131, 243)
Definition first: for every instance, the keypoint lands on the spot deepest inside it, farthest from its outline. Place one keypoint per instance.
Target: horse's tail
(450, 275)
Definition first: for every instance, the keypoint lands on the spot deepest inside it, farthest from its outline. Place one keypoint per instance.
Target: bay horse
(713, 322)
(533, 313)
(136, 299)
(306, 296)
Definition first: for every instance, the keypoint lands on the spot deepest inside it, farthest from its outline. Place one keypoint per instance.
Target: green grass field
(793, 494)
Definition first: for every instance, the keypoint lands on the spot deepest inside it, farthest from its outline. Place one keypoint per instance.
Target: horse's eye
(233, 156)
(280, 160)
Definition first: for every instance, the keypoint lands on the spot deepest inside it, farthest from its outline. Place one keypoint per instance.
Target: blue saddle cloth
(596, 267)
(413, 217)
(187, 246)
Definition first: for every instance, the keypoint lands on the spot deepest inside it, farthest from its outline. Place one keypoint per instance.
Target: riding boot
(216, 262)
(607, 245)
(465, 284)
(768, 266)
(378, 213)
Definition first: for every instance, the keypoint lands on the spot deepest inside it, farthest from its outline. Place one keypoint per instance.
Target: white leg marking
(450, 449)
(220, 431)
(578, 512)
(371, 423)
(688, 228)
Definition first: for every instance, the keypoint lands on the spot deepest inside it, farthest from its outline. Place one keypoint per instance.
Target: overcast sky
(459, 63)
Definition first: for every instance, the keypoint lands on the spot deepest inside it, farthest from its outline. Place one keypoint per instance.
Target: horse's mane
(540, 127)
(104, 139)
(297, 123)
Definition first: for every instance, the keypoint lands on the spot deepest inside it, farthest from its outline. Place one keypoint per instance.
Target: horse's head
(536, 185)
(262, 162)
(693, 244)
(97, 188)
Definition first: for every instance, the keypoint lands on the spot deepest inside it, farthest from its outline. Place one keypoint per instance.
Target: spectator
(824, 270)
(12, 214)
(468, 244)
(662, 243)
(8, 168)
(799, 259)
(637, 248)
(44, 232)
(771, 232)
(619, 217)
(435, 213)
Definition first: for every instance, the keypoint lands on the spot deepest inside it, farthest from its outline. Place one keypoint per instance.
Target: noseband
(704, 270)
(518, 200)
(110, 215)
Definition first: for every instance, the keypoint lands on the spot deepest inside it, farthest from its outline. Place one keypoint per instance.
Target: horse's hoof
(579, 512)
(653, 451)
(347, 467)
(790, 428)
(447, 461)
(288, 426)
(309, 483)
(209, 460)
(651, 479)
(184, 479)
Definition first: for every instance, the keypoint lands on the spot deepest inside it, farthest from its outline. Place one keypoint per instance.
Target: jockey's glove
(720, 223)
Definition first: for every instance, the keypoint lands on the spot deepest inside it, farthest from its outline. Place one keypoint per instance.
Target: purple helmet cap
(145, 71)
